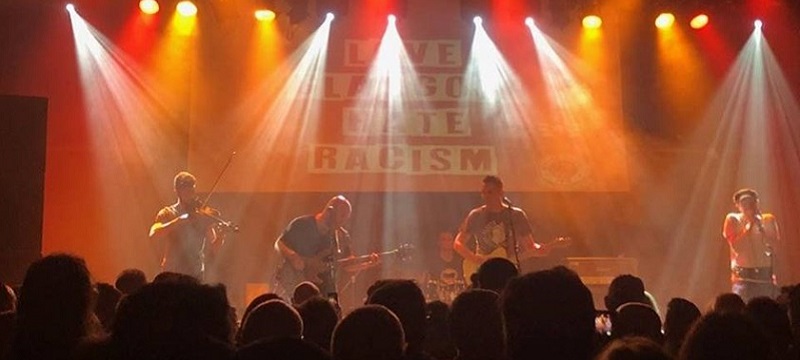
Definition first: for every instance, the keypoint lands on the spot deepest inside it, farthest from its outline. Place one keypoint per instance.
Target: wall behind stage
(552, 122)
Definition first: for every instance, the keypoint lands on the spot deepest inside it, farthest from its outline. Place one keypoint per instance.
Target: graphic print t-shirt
(492, 230)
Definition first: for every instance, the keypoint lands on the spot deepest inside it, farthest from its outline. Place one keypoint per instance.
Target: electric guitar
(471, 267)
(287, 277)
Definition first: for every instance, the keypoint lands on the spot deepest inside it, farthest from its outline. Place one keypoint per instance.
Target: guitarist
(310, 238)
(497, 229)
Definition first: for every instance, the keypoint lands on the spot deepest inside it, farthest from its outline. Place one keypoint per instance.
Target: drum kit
(445, 287)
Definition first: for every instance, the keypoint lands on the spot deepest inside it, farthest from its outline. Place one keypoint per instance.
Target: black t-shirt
(302, 235)
(446, 272)
(183, 249)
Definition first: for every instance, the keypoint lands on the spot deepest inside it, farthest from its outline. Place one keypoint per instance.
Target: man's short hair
(493, 180)
(737, 196)
(339, 200)
(184, 180)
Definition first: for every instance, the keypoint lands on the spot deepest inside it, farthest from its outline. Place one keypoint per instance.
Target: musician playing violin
(185, 231)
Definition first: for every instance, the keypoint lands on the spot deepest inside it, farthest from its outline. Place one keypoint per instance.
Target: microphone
(759, 223)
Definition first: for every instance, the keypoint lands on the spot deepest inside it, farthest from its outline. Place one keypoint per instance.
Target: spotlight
(265, 15)
(149, 7)
(392, 19)
(329, 16)
(592, 22)
(665, 20)
(477, 20)
(529, 21)
(186, 8)
(699, 21)
(70, 7)
(758, 24)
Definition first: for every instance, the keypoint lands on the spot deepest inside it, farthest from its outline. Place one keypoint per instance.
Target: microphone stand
(769, 253)
(333, 264)
(513, 232)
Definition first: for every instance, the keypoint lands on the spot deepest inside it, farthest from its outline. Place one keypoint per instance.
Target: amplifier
(601, 270)
(597, 273)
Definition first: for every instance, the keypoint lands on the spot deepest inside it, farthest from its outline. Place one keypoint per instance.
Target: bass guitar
(287, 277)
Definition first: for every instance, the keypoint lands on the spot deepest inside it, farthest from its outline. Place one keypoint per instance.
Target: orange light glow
(592, 22)
(699, 21)
(665, 20)
(149, 7)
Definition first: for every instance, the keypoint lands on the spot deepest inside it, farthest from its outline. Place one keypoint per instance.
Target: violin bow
(216, 182)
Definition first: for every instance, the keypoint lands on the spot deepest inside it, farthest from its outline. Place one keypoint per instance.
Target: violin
(212, 214)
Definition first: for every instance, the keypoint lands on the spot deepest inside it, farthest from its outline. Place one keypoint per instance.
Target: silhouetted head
(625, 289)
(319, 319)
(681, 315)
(304, 291)
(405, 299)
(728, 303)
(476, 325)
(130, 280)
(633, 348)
(637, 319)
(550, 315)
(273, 319)
(371, 332)
(495, 273)
(55, 304)
(726, 336)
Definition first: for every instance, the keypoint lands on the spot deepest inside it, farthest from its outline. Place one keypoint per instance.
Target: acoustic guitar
(471, 267)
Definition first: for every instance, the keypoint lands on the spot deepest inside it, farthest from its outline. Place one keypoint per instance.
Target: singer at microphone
(752, 237)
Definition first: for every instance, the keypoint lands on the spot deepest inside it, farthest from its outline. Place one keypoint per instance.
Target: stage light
(70, 8)
(699, 21)
(265, 15)
(477, 20)
(529, 21)
(758, 24)
(186, 8)
(149, 7)
(665, 20)
(329, 17)
(392, 19)
(592, 22)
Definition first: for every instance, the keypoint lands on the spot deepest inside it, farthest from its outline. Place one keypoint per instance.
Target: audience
(371, 332)
(271, 320)
(637, 319)
(681, 315)
(54, 312)
(304, 291)
(633, 348)
(728, 303)
(495, 273)
(774, 322)
(476, 324)
(438, 340)
(319, 319)
(405, 299)
(173, 320)
(130, 281)
(726, 335)
(549, 315)
(542, 315)
(106, 305)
